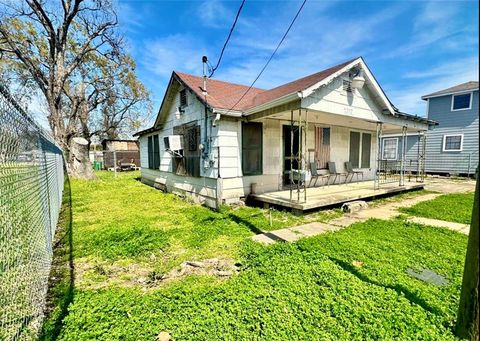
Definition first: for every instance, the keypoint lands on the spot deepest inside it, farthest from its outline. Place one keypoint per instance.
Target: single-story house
(219, 142)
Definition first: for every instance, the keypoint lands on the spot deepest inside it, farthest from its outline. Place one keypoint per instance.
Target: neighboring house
(451, 146)
(218, 144)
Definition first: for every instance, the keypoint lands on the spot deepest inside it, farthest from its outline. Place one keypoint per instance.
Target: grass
(119, 222)
(346, 285)
(455, 207)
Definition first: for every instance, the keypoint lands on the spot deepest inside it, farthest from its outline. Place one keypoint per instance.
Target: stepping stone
(428, 276)
(313, 229)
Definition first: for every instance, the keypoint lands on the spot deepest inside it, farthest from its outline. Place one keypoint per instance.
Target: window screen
(461, 101)
(390, 149)
(453, 143)
(252, 148)
(354, 156)
(366, 147)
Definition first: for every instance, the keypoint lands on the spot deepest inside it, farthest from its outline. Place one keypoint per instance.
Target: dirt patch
(213, 267)
(97, 275)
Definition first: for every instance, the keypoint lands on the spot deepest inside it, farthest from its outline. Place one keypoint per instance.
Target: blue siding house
(452, 145)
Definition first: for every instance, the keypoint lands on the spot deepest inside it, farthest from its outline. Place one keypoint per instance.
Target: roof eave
(279, 101)
(425, 97)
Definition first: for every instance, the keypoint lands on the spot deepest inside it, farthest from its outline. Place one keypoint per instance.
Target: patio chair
(315, 174)
(332, 169)
(351, 171)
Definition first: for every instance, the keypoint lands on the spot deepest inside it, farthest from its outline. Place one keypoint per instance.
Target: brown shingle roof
(224, 95)
(295, 86)
(221, 95)
(457, 88)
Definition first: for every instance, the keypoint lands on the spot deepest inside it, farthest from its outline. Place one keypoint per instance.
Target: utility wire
(226, 41)
(271, 57)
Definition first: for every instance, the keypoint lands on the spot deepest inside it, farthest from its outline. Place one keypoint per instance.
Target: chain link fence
(31, 185)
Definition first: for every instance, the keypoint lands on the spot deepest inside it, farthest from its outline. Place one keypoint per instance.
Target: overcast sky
(412, 47)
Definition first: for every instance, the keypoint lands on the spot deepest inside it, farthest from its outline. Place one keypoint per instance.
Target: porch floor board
(318, 197)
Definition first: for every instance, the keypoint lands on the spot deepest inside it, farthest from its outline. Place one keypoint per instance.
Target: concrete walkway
(387, 211)
(292, 234)
(462, 228)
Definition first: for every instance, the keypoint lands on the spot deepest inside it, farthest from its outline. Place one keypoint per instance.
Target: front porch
(318, 197)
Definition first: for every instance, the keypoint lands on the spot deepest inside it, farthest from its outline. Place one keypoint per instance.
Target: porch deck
(318, 197)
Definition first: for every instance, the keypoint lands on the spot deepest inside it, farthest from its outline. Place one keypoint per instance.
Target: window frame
(396, 148)
(461, 94)
(444, 142)
(360, 147)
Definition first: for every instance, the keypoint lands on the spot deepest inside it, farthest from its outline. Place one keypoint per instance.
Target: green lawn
(456, 207)
(345, 285)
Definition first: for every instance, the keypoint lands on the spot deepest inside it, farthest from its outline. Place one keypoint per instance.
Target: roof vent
(347, 86)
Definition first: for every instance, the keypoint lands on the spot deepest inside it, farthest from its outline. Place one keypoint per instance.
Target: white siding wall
(202, 189)
(333, 99)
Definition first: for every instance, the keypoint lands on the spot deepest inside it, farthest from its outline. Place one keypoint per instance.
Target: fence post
(115, 162)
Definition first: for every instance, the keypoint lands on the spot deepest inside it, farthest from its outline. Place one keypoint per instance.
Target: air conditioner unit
(173, 142)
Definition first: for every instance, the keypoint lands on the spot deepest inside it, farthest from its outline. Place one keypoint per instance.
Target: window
(183, 98)
(252, 139)
(360, 149)
(150, 152)
(452, 143)
(366, 147)
(390, 149)
(322, 146)
(354, 148)
(153, 152)
(462, 102)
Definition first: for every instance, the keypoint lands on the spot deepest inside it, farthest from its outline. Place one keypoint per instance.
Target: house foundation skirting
(201, 190)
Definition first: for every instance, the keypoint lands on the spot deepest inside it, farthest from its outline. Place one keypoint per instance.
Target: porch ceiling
(330, 119)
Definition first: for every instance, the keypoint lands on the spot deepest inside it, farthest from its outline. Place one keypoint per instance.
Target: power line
(271, 57)
(226, 41)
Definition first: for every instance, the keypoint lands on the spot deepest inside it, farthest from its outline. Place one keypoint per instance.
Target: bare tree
(71, 51)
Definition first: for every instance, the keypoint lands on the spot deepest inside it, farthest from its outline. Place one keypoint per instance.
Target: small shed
(124, 151)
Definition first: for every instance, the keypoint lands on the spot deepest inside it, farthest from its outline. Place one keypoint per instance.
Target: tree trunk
(79, 165)
(468, 312)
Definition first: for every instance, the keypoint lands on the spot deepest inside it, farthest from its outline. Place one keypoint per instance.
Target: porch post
(304, 158)
(402, 161)
(376, 183)
(424, 156)
(291, 155)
